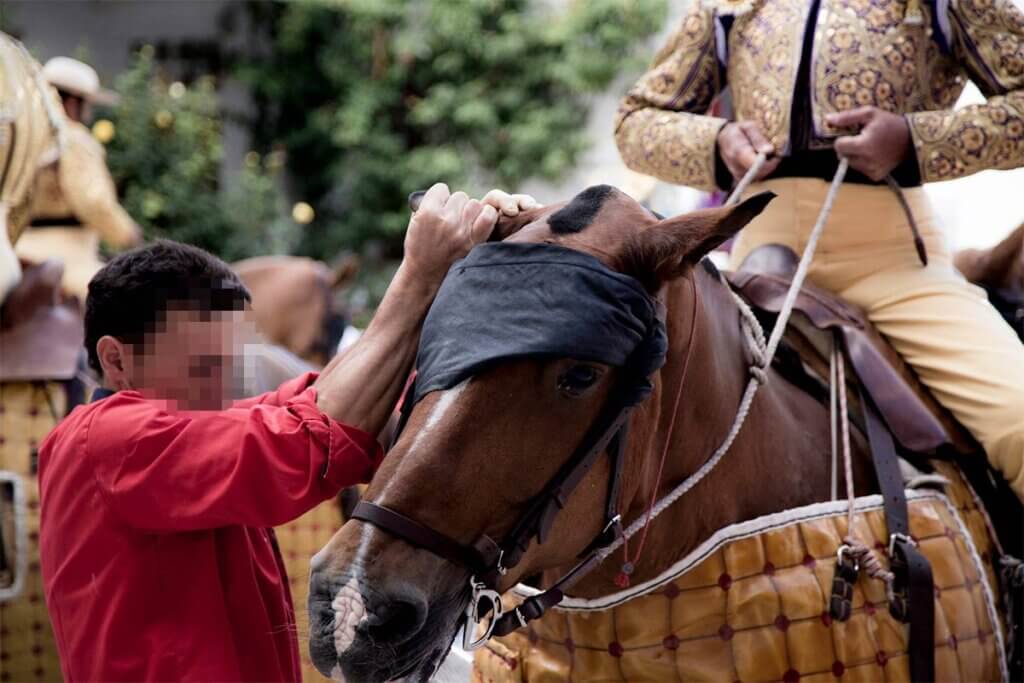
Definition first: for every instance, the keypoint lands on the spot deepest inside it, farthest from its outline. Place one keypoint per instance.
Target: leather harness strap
(477, 557)
(489, 560)
(913, 585)
(58, 222)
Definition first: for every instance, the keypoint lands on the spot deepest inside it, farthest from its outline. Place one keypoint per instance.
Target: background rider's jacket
(863, 53)
(155, 549)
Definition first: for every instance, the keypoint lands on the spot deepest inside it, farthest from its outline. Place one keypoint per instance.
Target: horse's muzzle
(367, 634)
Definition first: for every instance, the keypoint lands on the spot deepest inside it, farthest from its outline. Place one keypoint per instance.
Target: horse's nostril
(393, 620)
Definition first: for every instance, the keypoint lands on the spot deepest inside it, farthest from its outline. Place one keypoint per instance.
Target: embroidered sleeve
(988, 40)
(89, 190)
(660, 127)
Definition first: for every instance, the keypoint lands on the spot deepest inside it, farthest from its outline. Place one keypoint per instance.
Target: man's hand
(362, 389)
(882, 143)
(739, 143)
(447, 225)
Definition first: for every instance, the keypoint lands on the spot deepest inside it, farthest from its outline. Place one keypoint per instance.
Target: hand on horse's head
(446, 225)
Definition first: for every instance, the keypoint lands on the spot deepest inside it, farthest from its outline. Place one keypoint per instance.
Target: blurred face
(76, 108)
(189, 359)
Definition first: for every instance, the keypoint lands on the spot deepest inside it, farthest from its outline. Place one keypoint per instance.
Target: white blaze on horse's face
(444, 404)
(348, 605)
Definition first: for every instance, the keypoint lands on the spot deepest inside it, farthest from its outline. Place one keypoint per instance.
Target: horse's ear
(509, 225)
(343, 272)
(668, 248)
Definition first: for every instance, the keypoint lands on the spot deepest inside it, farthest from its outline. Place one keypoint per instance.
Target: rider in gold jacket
(874, 81)
(74, 201)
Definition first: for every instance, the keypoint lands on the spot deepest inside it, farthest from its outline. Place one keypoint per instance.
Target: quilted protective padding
(28, 651)
(299, 540)
(755, 609)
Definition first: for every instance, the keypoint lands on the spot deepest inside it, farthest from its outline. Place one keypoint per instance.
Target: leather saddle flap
(913, 415)
(41, 333)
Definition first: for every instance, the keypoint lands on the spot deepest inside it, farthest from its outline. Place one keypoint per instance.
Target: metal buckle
(480, 593)
(899, 537)
(9, 481)
(839, 557)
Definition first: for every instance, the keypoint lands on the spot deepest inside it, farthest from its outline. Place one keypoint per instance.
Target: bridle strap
(538, 519)
(478, 557)
(488, 560)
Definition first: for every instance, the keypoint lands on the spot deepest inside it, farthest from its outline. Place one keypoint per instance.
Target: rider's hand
(739, 143)
(882, 143)
(447, 225)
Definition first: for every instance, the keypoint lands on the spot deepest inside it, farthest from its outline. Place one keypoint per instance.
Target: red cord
(622, 580)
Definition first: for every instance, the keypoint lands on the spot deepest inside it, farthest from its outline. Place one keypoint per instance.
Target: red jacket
(156, 555)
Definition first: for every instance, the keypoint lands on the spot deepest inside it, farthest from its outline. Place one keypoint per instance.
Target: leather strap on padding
(913, 573)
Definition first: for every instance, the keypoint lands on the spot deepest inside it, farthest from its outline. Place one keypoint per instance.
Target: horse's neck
(766, 470)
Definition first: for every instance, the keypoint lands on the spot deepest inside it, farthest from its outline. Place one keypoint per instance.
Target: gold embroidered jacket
(906, 56)
(79, 186)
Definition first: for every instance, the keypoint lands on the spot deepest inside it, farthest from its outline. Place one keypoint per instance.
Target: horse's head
(296, 302)
(476, 452)
(1000, 267)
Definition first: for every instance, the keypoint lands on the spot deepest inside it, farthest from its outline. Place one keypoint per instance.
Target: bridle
(488, 559)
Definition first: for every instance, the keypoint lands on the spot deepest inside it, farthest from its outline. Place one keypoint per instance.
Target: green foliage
(374, 99)
(166, 159)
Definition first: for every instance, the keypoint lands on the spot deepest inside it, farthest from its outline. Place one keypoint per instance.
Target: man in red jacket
(157, 498)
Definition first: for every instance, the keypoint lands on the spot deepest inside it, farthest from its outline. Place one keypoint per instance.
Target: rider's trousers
(77, 247)
(943, 326)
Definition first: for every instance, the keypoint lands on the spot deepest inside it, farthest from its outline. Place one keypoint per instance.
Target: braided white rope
(862, 554)
(762, 352)
(755, 169)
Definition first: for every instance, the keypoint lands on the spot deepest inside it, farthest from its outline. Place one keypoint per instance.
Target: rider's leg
(943, 326)
(962, 350)
(76, 247)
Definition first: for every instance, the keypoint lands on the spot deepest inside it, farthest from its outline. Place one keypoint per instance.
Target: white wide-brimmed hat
(77, 78)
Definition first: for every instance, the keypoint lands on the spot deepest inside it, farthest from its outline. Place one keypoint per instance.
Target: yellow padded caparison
(752, 605)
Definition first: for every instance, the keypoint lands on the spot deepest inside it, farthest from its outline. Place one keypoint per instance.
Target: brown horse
(1000, 271)
(492, 443)
(295, 302)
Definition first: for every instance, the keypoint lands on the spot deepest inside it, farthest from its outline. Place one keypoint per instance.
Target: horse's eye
(578, 379)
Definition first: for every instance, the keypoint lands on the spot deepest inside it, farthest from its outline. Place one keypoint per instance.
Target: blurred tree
(373, 99)
(164, 151)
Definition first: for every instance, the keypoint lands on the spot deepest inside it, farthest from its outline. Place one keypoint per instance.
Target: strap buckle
(902, 538)
(845, 550)
(482, 596)
(498, 564)
(614, 522)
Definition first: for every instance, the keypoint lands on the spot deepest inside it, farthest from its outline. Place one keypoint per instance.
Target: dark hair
(134, 290)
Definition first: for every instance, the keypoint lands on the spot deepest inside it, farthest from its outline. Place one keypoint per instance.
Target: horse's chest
(752, 605)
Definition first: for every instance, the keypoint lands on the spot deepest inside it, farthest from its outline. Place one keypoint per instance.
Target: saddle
(919, 425)
(917, 421)
(898, 416)
(41, 331)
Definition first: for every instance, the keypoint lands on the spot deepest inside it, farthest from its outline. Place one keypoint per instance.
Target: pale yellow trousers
(942, 325)
(77, 247)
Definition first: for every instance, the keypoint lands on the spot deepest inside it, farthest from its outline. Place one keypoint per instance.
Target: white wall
(979, 210)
